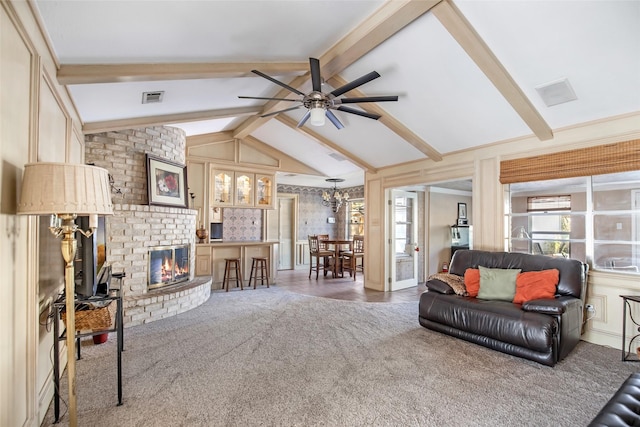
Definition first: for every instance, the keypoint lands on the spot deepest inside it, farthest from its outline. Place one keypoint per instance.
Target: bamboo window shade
(599, 160)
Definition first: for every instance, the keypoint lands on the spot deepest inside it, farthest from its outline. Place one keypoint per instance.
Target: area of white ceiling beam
(112, 73)
(389, 121)
(160, 120)
(462, 31)
(326, 142)
(390, 18)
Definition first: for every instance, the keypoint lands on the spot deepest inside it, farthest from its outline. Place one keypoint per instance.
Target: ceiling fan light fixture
(317, 116)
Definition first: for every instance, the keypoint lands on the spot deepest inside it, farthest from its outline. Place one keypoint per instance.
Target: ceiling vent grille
(152, 97)
(556, 92)
(338, 157)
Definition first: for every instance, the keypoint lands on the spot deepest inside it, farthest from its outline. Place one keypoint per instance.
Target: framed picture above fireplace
(166, 182)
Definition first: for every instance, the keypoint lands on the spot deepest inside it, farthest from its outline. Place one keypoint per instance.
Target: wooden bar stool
(232, 264)
(259, 270)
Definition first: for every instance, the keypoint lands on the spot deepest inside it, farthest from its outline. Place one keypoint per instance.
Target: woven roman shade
(602, 159)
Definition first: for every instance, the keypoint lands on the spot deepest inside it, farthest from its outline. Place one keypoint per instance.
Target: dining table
(338, 245)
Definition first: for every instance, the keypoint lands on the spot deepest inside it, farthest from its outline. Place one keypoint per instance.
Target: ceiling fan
(320, 104)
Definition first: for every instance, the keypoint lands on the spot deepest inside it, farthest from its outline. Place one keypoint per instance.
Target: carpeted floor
(269, 357)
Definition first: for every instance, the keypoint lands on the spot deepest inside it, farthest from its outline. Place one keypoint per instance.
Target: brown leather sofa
(542, 330)
(623, 409)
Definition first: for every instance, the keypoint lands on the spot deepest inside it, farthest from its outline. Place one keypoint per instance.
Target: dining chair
(350, 258)
(323, 256)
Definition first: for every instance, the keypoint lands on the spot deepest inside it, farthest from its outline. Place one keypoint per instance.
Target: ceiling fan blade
(279, 83)
(280, 111)
(316, 79)
(304, 119)
(359, 113)
(355, 100)
(333, 119)
(354, 84)
(270, 99)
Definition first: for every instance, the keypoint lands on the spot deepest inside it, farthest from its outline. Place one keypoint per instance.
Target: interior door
(286, 209)
(404, 236)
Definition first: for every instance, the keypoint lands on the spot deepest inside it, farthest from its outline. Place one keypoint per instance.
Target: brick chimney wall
(136, 226)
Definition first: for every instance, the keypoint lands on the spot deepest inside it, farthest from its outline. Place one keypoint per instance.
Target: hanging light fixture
(335, 199)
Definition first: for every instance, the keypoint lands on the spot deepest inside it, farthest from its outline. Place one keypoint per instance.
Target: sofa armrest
(555, 306)
(435, 285)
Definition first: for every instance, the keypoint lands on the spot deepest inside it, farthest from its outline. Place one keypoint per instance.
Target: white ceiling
(446, 101)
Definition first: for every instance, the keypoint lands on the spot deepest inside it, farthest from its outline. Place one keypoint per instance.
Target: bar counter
(210, 258)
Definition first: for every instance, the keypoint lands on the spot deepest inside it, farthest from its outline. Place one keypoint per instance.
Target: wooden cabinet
(355, 218)
(244, 189)
(222, 185)
(241, 189)
(203, 261)
(264, 188)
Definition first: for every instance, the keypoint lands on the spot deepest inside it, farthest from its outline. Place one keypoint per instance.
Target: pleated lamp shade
(64, 188)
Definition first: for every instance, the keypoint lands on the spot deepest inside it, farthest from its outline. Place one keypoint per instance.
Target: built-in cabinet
(355, 218)
(241, 189)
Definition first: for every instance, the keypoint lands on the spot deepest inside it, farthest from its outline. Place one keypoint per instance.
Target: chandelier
(336, 199)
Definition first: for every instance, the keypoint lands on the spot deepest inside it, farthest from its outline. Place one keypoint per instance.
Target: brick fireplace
(136, 227)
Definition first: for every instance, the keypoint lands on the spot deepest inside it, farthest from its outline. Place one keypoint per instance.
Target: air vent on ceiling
(152, 97)
(338, 157)
(556, 92)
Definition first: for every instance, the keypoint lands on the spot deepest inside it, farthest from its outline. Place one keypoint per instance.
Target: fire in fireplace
(168, 265)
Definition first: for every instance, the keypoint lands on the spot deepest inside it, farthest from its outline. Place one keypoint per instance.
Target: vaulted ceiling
(467, 73)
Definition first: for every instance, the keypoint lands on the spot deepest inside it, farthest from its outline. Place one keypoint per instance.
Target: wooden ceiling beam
(391, 122)
(461, 30)
(390, 18)
(114, 73)
(138, 122)
(326, 142)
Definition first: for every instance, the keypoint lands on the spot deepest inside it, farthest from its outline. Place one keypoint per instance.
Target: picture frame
(462, 211)
(166, 183)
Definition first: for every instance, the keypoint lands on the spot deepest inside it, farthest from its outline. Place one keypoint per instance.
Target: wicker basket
(96, 319)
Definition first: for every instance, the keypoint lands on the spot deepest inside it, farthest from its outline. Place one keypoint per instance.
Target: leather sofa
(542, 330)
(623, 409)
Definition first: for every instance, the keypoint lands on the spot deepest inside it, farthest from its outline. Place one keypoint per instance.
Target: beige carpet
(269, 357)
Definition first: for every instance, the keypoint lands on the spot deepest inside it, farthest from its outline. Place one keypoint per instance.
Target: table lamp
(64, 191)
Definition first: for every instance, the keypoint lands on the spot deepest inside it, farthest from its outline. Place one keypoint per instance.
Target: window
(551, 227)
(592, 219)
(403, 227)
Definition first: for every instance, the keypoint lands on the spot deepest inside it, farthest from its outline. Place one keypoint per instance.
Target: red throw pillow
(472, 281)
(532, 285)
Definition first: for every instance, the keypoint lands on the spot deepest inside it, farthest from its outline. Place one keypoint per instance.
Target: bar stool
(260, 268)
(232, 264)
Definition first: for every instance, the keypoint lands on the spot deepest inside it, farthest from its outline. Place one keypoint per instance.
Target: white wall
(443, 213)
(38, 123)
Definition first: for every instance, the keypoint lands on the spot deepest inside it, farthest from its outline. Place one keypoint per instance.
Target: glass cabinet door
(356, 218)
(244, 189)
(264, 185)
(222, 188)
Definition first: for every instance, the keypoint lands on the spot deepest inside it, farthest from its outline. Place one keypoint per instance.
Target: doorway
(282, 226)
(404, 237)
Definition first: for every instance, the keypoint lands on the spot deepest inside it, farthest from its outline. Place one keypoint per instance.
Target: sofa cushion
(472, 281)
(497, 283)
(573, 273)
(500, 320)
(435, 285)
(532, 285)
